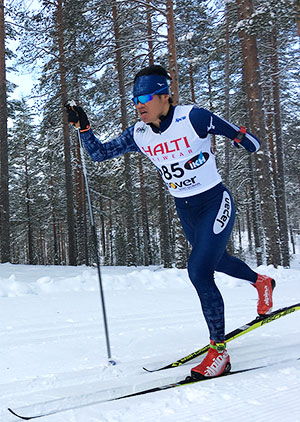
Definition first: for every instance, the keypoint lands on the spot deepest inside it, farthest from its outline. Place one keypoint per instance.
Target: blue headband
(147, 84)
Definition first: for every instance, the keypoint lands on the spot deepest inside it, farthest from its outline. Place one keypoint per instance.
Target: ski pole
(95, 241)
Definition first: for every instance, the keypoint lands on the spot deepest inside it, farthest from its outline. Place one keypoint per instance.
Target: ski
(188, 380)
(191, 380)
(252, 325)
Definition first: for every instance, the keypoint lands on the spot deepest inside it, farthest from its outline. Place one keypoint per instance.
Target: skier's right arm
(114, 148)
(96, 149)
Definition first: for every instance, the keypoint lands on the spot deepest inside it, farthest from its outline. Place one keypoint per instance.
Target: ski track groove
(25, 336)
(22, 337)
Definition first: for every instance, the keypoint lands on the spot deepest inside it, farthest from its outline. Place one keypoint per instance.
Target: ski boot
(215, 363)
(264, 286)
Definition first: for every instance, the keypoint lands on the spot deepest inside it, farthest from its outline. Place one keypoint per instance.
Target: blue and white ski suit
(181, 150)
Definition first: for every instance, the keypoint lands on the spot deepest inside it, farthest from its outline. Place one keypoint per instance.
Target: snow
(52, 346)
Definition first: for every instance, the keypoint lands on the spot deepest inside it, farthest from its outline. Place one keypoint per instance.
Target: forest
(237, 58)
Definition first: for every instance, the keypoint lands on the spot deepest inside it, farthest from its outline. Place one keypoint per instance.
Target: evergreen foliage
(91, 54)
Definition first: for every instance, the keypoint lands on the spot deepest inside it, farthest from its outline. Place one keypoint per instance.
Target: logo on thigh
(223, 215)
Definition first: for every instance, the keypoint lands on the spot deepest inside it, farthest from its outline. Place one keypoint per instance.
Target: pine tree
(257, 121)
(23, 169)
(4, 188)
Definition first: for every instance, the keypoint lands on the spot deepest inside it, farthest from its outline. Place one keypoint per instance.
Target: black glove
(77, 116)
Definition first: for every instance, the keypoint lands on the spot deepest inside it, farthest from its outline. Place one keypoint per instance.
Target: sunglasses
(143, 99)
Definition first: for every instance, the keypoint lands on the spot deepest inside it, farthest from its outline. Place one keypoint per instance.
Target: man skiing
(177, 140)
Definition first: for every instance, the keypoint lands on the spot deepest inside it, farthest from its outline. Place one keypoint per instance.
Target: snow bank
(21, 280)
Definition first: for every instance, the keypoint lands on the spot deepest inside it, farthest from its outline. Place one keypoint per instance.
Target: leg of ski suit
(207, 222)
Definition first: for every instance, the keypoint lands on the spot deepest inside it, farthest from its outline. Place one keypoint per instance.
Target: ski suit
(181, 151)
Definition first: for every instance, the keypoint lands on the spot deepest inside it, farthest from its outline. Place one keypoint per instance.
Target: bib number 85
(174, 171)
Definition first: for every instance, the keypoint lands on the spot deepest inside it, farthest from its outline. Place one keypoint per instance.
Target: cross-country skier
(177, 140)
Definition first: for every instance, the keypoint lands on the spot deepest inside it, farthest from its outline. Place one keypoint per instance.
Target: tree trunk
(103, 237)
(66, 135)
(163, 233)
(227, 105)
(145, 220)
(56, 258)
(131, 240)
(110, 231)
(4, 193)
(80, 206)
(192, 85)
(281, 190)
(270, 137)
(181, 246)
(149, 33)
(164, 226)
(172, 51)
(28, 208)
(249, 229)
(257, 122)
(211, 107)
(297, 6)
(62, 244)
(254, 214)
(292, 241)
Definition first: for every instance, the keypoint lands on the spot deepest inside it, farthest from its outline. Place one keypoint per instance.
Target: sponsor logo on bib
(196, 161)
(183, 183)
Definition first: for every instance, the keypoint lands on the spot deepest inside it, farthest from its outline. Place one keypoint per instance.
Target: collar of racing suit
(165, 121)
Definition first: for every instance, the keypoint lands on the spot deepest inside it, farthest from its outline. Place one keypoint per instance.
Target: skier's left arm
(205, 122)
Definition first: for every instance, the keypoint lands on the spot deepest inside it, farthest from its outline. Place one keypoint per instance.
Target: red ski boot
(215, 363)
(264, 286)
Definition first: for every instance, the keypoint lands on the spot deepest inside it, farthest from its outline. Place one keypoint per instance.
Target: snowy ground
(52, 345)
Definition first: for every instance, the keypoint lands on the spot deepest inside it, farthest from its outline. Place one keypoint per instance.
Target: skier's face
(151, 111)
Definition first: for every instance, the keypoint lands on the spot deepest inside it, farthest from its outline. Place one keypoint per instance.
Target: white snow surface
(52, 346)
